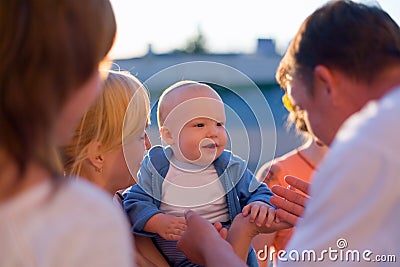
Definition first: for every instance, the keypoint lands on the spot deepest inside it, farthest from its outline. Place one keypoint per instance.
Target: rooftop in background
(259, 66)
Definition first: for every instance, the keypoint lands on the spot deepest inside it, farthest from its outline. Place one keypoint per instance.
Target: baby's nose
(212, 131)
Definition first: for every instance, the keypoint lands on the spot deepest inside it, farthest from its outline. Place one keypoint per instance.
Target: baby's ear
(166, 135)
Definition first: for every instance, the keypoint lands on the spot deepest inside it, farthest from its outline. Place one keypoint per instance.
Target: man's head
(338, 52)
(191, 118)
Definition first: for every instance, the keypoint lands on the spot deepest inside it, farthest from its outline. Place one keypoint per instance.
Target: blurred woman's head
(50, 52)
(113, 126)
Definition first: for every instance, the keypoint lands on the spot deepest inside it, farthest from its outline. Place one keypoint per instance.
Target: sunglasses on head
(286, 103)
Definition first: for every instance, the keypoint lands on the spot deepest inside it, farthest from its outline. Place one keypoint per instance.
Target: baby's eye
(220, 124)
(199, 125)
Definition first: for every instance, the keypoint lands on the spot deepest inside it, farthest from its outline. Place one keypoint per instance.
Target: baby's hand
(171, 227)
(260, 213)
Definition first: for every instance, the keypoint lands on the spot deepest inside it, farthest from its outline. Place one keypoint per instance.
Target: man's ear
(166, 135)
(94, 156)
(324, 83)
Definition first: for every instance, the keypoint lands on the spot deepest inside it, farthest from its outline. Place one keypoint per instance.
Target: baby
(194, 172)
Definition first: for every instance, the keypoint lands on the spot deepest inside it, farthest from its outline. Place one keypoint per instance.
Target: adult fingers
(289, 195)
(298, 183)
(189, 215)
(288, 206)
(194, 220)
(287, 217)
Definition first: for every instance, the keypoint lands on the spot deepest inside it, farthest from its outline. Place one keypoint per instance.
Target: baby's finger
(181, 220)
(179, 232)
(246, 210)
(173, 237)
(181, 227)
(254, 212)
(270, 217)
(261, 216)
(277, 220)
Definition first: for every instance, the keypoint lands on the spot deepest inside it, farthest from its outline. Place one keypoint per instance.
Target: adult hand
(196, 237)
(290, 203)
(243, 230)
(203, 245)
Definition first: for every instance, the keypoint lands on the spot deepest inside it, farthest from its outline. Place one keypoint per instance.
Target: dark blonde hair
(121, 109)
(357, 39)
(48, 50)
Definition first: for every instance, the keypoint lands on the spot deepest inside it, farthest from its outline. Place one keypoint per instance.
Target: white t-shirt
(354, 212)
(199, 190)
(75, 225)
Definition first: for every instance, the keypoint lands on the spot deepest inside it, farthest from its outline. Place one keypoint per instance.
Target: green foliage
(196, 44)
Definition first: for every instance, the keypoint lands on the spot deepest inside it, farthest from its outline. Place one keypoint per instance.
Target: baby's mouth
(210, 146)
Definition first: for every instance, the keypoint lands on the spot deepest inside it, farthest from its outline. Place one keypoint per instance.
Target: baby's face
(202, 140)
(196, 123)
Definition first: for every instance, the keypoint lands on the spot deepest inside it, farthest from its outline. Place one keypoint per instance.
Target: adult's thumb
(188, 214)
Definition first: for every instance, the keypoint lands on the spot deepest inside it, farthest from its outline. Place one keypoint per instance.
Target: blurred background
(237, 46)
(226, 25)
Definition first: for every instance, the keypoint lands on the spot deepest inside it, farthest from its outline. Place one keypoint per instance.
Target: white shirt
(355, 203)
(75, 225)
(194, 188)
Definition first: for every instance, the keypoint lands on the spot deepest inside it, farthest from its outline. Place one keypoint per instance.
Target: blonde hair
(123, 99)
(48, 50)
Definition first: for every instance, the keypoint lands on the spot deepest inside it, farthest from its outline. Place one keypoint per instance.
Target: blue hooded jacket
(142, 201)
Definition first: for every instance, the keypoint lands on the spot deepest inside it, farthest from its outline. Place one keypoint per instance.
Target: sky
(227, 25)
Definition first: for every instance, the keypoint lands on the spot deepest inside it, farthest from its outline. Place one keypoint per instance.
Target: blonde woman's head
(119, 115)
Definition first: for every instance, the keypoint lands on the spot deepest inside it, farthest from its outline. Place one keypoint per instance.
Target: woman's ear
(94, 156)
(166, 135)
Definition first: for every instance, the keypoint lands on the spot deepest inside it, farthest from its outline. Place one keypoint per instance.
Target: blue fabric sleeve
(249, 189)
(138, 202)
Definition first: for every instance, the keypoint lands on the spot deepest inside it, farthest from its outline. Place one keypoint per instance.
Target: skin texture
(328, 82)
(199, 141)
(291, 204)
(209, 249)
(202, 138)
(193, 123)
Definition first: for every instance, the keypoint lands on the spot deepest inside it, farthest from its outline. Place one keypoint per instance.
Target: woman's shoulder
(72, 216)
(274, 171)
(103, 225)
(81, 195)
